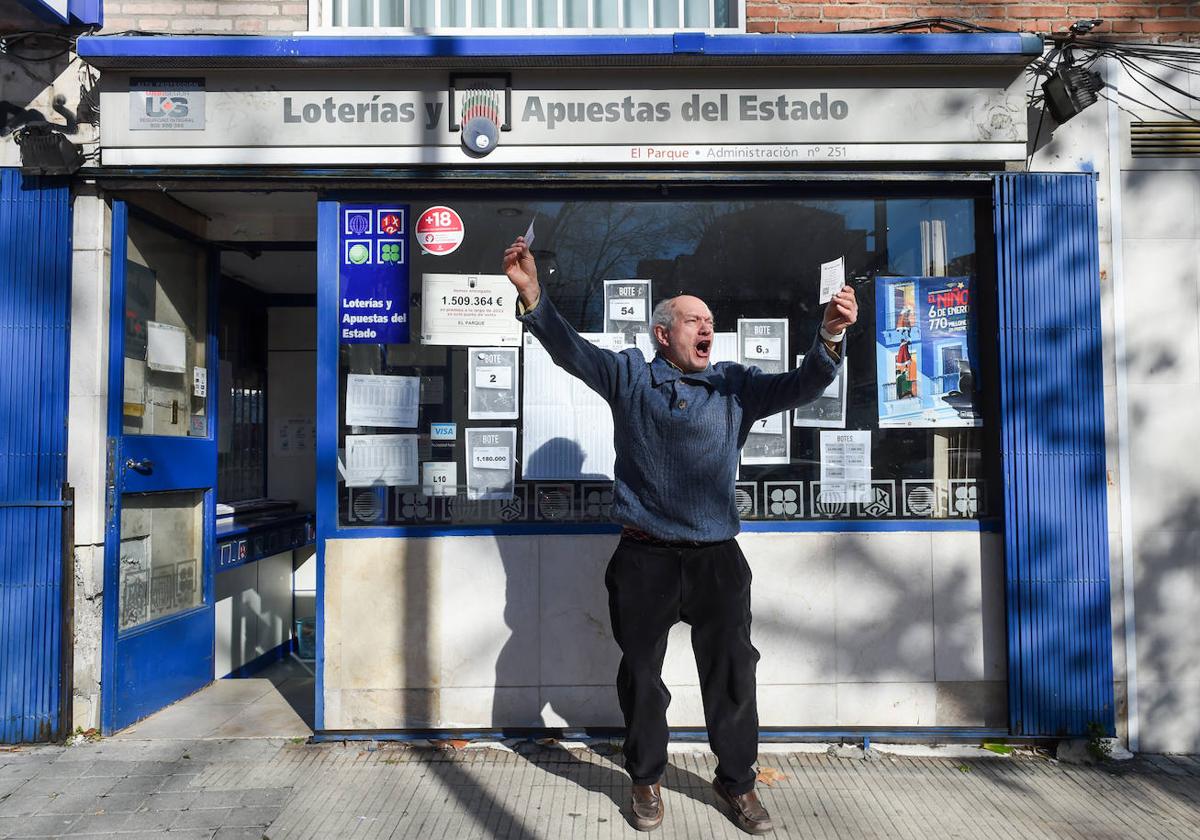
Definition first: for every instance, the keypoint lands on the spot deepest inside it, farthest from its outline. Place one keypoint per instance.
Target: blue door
(158, 605)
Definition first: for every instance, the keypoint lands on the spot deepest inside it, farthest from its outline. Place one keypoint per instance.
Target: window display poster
(492, 383)
(373, 274)
(827, 411)
(763, 343)
(627, 307)
(381, 459)
(491, 460)
(469, 310)
(567, 433)
(926, 340)
(375, 400)
(166, 347)
(846, 465)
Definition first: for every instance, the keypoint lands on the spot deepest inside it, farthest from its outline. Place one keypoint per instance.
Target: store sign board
(373, 274)
(306, 118)
(166, 104)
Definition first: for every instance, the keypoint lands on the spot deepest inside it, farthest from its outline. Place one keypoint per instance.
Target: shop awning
(684, 49)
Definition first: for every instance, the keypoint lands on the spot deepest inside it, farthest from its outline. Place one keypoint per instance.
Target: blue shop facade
(324, 437)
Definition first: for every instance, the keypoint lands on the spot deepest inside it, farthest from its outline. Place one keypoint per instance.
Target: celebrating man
(679, 424)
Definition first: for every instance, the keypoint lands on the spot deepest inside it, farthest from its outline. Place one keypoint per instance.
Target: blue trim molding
(1060, 670)
(1003, 47)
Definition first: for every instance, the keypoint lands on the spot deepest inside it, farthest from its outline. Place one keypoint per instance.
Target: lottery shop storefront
(462, 482)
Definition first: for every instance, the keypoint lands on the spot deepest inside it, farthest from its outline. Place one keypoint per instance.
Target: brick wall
(1164, 20)
(243, 17)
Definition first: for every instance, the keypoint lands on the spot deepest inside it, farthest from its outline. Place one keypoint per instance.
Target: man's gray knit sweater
(677, 435)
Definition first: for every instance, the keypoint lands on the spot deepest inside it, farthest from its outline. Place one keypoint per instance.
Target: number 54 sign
(627, 306)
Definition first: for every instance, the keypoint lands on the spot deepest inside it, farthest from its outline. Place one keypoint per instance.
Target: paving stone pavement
(279, 789)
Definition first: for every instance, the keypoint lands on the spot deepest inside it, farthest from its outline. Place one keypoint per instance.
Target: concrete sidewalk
(279, 789)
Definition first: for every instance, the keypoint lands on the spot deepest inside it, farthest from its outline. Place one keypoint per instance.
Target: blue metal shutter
(1060, 677)
(35, 296)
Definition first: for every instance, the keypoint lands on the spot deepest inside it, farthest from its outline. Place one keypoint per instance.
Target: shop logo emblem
(391, 222)
(166, 106)
(358, 252)
(358, 222)
(745, 498)
(391, 252)
(882, 500)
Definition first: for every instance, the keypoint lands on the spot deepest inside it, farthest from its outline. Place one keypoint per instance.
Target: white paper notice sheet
(491, 453)
(469, 309)
(381, 459)
(373, 400)
(846, 463)
(568, 433)
(166, 347)
(492, 383)
(833, 277)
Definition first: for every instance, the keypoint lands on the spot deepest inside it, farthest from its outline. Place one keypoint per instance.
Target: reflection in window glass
(166, 332)
(162, 551)
(749, 255)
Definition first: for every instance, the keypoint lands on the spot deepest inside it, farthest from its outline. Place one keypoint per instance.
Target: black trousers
(650, 588)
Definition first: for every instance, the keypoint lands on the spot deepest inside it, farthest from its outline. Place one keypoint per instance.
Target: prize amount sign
(439, 231)
(469, 309)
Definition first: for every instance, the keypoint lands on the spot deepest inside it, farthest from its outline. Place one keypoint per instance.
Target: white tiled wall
(872, 629)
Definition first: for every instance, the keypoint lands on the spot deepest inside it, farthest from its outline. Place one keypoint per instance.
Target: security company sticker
(439, 231)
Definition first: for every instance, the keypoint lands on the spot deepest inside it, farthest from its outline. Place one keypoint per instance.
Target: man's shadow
(579, 576)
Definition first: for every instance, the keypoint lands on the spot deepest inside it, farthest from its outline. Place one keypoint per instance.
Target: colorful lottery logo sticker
(439, 231)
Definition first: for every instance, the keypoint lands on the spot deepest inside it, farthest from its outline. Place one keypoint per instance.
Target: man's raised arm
(599, 369)
(770, 393)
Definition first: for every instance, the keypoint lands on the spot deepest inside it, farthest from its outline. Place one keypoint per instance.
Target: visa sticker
(443, 432)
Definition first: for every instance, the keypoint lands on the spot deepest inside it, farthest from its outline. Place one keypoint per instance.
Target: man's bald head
(683, 332)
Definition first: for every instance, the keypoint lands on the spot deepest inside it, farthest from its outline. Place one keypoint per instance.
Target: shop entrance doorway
(210, 551)
(161, 453)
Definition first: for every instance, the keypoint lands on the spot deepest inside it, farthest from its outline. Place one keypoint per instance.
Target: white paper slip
(166, 347)
(199, 382)
(833, 277)
(763, 348)
(493, 377)
(529, 232)
(373, 400)
(439, 478)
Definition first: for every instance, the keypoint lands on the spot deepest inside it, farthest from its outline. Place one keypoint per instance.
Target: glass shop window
(474, 433)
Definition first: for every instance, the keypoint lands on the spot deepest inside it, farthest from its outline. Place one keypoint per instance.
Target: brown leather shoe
(747, 812)
(646, 807)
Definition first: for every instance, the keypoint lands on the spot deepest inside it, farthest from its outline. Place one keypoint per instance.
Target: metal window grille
(526, 16)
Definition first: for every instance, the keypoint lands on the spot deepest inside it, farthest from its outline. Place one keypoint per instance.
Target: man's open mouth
(702, 347)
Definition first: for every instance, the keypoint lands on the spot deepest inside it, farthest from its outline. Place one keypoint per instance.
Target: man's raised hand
(521, 270)
(841, 311)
